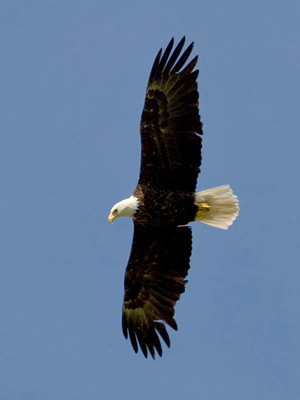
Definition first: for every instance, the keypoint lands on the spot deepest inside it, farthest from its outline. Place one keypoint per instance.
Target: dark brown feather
(171, 156)
(170, 125)
(154, 280)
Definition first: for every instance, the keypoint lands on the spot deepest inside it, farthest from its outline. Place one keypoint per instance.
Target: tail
(217, 207)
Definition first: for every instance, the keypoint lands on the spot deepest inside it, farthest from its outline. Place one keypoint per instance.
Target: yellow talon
(203, 209)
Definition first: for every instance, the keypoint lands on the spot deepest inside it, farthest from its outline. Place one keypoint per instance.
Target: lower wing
(154, 280)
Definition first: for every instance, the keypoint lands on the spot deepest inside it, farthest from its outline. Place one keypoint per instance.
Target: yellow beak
(111, 218)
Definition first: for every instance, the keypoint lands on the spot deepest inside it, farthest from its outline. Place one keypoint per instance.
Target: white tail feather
(218, 206)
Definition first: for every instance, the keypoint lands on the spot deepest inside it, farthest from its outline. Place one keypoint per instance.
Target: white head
(125, 208)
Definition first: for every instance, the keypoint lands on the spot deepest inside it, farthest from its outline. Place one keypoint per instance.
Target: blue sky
(73, 76)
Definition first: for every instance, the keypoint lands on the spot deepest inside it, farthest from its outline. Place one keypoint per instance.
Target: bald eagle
(165, 200)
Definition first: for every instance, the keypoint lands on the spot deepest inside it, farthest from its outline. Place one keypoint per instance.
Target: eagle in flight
(165, 200)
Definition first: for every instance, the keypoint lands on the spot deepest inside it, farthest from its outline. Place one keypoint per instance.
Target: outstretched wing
(154, 280)
(170, 125)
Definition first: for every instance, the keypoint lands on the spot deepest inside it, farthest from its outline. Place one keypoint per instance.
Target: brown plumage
(170, 125)
(164, 201)
(154, 281)
(170, 161)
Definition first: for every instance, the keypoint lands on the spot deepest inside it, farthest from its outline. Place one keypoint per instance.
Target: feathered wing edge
(154, 280)
(161, 65)
(170, 126)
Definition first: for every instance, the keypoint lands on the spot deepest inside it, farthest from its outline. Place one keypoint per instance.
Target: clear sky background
(73, 76)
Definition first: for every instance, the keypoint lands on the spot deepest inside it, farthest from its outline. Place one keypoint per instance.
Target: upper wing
(170, 125)
(154, 281)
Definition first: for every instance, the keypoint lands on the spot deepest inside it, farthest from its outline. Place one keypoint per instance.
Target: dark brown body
(170, 163)
(164, 208)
